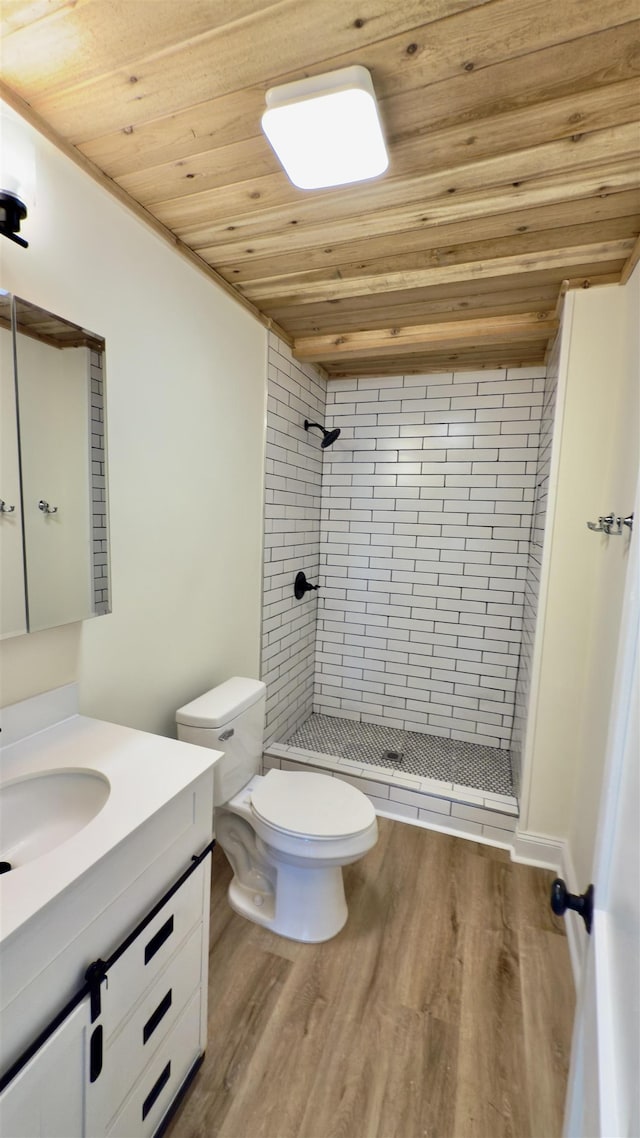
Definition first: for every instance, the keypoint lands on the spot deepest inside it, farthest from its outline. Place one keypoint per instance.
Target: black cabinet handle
(95, 1053)
(154, 1019)
(156, 1089)
(158, 940)
(581, 903)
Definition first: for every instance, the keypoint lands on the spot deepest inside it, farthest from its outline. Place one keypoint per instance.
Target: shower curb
(466, 813)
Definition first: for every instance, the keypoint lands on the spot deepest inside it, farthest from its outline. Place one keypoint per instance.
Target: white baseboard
(454, 827)
(538, 849)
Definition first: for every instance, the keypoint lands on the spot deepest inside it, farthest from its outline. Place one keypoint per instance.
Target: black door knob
(302, 586)
(581, 903)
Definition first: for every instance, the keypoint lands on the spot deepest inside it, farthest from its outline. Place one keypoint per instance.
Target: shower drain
(396, 757)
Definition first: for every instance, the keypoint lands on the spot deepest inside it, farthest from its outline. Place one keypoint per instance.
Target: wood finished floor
(442, 1010)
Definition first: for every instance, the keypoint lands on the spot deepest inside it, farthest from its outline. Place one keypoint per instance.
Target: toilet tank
(229, 718)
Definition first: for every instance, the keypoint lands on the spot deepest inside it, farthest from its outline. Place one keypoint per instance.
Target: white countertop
(144, 771)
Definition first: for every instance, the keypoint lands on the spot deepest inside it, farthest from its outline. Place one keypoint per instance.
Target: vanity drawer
(150, 952)
(154, 1092)
(130, 1049)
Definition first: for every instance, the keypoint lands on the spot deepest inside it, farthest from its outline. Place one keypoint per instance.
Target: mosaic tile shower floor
(448, 760)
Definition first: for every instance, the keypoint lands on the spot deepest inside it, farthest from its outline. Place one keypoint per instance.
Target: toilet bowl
(286, 834)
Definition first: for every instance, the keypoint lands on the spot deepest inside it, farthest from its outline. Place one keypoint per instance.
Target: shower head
(329, 436)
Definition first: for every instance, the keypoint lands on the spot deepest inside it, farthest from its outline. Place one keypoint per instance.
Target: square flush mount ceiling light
(326, 130)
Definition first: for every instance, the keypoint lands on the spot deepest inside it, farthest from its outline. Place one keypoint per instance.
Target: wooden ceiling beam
(422, 278)
(432, 298)
(442, 311)
(517, 355)
(494, 330)
(463, 252)
(453, 301)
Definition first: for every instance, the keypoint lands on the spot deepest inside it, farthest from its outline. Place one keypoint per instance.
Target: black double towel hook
(302, 586)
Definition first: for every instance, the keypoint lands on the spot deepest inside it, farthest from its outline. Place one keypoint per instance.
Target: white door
(603, 1099)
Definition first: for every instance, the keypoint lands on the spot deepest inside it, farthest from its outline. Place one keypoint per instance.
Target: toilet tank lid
(222, 703)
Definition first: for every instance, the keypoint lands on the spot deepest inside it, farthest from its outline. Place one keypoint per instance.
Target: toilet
(286, 834)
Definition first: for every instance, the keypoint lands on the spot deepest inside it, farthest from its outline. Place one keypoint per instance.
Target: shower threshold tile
(463, 795)
(510, 808)
(437, 787)
(508, 799)
(383, 774)
(306, 753)
(351, 763)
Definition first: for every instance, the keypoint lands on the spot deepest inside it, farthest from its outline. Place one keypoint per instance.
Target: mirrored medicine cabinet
(54, 554)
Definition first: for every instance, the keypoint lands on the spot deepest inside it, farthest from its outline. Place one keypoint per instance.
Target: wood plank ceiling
(514, 138)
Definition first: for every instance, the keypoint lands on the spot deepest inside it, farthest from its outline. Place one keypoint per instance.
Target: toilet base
(308, 904)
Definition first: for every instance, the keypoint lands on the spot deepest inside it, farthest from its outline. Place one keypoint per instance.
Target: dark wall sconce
(12, 212)
(17, 175)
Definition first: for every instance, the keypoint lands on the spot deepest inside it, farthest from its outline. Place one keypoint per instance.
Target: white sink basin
(43, 809)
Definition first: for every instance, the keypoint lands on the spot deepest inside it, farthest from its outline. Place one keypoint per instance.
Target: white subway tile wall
(427, 501)
(532, 580)
(99, 535)
(292, 538)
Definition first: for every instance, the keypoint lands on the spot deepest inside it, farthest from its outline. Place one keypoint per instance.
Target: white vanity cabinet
(117, 1061)
(104, 937)
(152, 1021)
(46, 1098)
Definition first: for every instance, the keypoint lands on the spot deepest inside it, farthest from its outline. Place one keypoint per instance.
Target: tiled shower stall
(401, 672)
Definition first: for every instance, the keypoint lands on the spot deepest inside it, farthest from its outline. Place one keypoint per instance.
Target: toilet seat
(312, 806)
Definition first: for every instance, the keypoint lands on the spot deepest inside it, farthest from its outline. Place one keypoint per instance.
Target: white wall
(619, 484)
(185, 384)
(597, 472)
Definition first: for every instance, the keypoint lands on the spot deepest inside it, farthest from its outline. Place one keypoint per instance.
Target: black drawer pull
(158, 940)
(154, 1019)
(158, 1086)
(95, 1053)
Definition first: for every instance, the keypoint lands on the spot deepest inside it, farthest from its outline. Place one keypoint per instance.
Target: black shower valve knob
(302, 586)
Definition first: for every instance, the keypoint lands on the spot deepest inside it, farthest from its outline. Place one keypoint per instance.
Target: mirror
(13, 611)
(54, 522)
